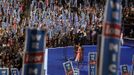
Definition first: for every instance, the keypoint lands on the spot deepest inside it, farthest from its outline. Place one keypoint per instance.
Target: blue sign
(14, 71)
(4, 71)
(32, 69)
(110, 44)
(92, 63)
(110, 56)
(34, 52)
(35, 40)
(68, 67)
(124, 70)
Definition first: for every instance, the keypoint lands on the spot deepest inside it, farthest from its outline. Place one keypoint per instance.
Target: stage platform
(57, 56)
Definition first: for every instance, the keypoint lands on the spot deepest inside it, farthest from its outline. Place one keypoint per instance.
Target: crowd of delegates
(11, 34)
(66, 25)
(128, 22)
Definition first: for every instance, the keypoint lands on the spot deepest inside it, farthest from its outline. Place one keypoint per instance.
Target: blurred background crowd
(67, 22)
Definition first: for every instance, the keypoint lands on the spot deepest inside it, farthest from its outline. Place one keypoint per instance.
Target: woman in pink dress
(79, 54)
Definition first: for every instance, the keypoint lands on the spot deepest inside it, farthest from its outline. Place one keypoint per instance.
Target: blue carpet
(56, 58)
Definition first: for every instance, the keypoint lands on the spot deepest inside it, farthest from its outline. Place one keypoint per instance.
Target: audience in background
(66, 25)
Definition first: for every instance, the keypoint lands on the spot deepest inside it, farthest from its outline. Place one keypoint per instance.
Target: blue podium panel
(4, 71)
(32, 69)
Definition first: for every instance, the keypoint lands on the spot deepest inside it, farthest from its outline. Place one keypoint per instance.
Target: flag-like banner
(124, 70)
(14, 71)
(92, 63)
(68, 67)
(4, 71)
(110, 46)
(34, 52)
(76, 71)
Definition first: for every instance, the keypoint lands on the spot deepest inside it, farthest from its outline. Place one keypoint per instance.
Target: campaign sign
(110, 43)
(4, 71)
(34, 58)
(110, 56)
(68, 67)
(33, 66)
(35, 40)
(92, 63)
(34, 52)
(76, 71)
(14, 71)
(32, 69)
(124, 70)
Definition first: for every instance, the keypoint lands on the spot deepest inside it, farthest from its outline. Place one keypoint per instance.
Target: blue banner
(14, 71)
(32, 69)
(68, 67)
(110, 45)
(92, 63)
(4, 71)
(35, 40)
(34, 52)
